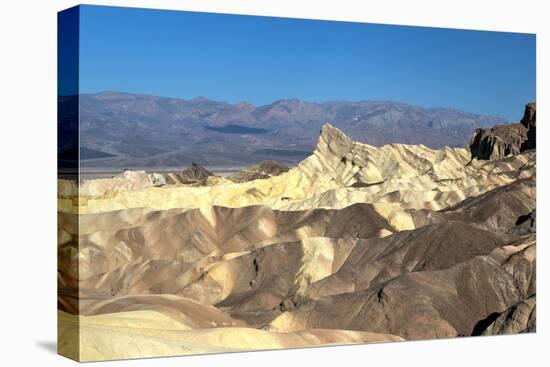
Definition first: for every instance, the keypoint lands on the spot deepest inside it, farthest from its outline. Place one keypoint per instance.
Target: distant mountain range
(122, 130)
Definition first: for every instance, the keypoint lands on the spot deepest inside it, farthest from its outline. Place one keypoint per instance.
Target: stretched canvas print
(237, 183)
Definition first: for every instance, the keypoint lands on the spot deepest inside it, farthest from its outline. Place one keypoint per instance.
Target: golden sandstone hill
(356, 244)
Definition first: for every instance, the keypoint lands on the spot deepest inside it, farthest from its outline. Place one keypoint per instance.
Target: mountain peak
(333, 149)
(200, 99)
(333, 136)
(288, 101)
(329, 129)
(196, 172)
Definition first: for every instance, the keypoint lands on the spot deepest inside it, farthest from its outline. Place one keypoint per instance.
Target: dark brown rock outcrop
(529, 120)
(262, 170)
(506, 140)
(192, 175)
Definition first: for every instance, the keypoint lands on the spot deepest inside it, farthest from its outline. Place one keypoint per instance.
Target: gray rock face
(505, 140)
(424, 304)
(520, 318)
(526, 224)
(507, 209)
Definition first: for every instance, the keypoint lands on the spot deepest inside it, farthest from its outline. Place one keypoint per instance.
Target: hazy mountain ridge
(151, 131)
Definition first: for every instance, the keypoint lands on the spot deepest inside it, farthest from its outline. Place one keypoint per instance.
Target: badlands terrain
(355, 244)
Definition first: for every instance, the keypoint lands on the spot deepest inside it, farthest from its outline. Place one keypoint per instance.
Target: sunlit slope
(176, 239)
(140, 334)
(255, 263)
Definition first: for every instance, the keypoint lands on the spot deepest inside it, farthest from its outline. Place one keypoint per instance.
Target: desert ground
(355, 244)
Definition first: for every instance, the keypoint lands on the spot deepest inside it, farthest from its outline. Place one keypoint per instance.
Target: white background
(28, 181)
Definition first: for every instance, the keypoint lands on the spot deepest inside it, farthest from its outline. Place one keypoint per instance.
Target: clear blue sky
(262, 59)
